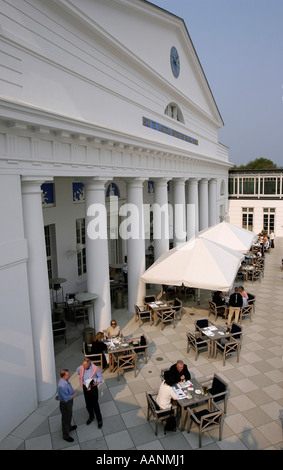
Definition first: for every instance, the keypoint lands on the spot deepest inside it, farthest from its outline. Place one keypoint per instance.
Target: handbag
(170, 424)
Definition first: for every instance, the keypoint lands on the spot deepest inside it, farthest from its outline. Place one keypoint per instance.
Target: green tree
(258, 164)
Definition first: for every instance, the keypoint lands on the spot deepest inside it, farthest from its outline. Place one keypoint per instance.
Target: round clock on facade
(175, 61)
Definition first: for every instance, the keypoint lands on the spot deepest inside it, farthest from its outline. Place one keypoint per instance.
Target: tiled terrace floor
(255, 402)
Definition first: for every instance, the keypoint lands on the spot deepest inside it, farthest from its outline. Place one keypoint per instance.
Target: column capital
(135, 182)
(182, 179)
(161, 179)
(96, 182)
(204, 180)
(32, 184)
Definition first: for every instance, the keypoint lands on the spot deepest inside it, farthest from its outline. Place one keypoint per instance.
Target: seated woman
(166, 392)
(113, 330)
(99, 347)
(219, 300)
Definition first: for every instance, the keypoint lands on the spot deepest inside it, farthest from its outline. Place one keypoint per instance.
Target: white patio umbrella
(198, 263)
(231, 236)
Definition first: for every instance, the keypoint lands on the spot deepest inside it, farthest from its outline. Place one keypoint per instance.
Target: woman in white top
(166, 392)
(113, 330)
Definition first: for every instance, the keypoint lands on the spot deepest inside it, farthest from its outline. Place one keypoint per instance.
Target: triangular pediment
(148, 33)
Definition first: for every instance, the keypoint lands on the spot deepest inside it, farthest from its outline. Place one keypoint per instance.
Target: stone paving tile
(255, 401)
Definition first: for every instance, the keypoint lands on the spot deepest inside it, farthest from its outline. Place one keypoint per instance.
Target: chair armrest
(206, 379)
(126, 356)
(166, 410)
(96, 354)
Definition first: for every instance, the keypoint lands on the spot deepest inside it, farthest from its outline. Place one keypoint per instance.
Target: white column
(40, 309)
(179, 227)
(160, 217)
(203, 203)
(192, 208)
(135, 243)
(97, 253)
(212, 206)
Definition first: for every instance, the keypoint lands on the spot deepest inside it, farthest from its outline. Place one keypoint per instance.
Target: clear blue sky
(240, 46)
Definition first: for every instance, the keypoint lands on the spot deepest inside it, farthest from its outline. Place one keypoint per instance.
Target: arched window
(173, 110)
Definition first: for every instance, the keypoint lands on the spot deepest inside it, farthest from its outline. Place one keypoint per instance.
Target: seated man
(219, 301)
(180, 372)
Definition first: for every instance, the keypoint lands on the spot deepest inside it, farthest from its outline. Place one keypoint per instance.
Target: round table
(84, 298)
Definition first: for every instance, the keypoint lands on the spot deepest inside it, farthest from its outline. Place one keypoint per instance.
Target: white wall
(235, 213)
(18, 396)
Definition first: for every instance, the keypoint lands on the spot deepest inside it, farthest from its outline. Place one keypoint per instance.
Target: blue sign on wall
(78, 192)
(47, 194)
(167, 130)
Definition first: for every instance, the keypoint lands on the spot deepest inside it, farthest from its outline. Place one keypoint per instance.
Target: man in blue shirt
(90, 378)
(65, 395)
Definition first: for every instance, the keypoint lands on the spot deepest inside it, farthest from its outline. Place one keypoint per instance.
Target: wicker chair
(218, 388)
(143, 314)
(254, 275)
(159, 415)
(206, 419)
(59, 329)
(177, 306)
(214, 310)
(125, 362)
(232, 345)
(195, 342)
(96, 359)
(166, 316)
(246, 311)
(140, 346)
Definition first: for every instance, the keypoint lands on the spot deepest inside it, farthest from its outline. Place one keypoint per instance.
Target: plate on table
(220, 333)
(198, 392)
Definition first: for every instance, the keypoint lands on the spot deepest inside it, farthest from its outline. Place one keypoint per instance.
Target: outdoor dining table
(117, 346)
(215, 333)
(189, 393)
(157, 306)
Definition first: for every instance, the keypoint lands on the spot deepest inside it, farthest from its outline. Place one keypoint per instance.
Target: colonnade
(195, 209)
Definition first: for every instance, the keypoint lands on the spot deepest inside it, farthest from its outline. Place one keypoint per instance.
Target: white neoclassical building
(103, 103)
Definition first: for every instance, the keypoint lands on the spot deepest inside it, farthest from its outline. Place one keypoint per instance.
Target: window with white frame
(248, 218)
(80, 237)
(50, 246)
(268, 219)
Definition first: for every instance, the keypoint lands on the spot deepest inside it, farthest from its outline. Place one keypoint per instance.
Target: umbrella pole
(198, 296)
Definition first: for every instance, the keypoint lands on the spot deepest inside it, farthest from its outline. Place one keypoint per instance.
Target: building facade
(255, 200)
(94, 114)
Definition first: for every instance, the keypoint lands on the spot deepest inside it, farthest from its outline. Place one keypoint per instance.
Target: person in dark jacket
(235, 303)
(219, 301)
(99, 347)
(180, 372)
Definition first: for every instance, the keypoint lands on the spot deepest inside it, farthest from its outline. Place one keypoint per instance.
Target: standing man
(90, 377)
(235, 303)
(66, 395)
